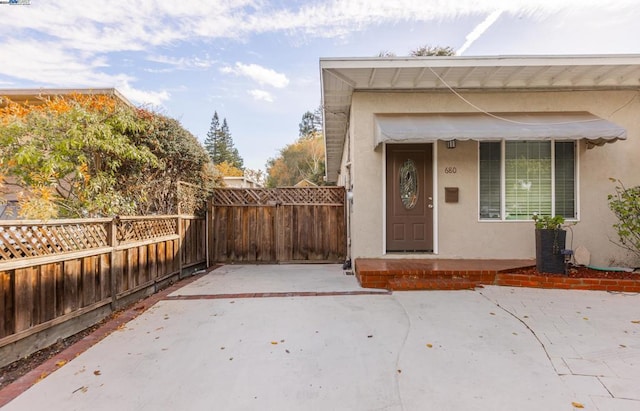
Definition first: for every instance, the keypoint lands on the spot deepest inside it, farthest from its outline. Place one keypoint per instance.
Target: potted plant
(550, 242)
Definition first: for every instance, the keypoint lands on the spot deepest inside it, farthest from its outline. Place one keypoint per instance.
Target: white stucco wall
(459, 232)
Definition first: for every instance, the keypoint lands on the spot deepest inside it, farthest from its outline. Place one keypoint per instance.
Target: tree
(228, 170)
(68, 154)
(311, 122)
(219, 143)
(303, 159)
(210, 141)
(181, 158)
(432, 51)
(232, 155)
(91, 156)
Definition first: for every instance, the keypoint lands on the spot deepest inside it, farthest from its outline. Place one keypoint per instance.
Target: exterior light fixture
(451, 144)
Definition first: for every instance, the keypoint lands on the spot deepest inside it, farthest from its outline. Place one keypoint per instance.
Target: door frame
(434, 165)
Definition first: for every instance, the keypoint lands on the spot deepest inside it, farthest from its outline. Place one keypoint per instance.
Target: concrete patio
(320, 342)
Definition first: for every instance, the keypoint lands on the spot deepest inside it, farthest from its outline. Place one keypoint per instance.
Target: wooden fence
(277, 225)
(55, 271)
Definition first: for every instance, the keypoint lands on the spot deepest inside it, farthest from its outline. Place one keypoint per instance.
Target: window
(522, 178)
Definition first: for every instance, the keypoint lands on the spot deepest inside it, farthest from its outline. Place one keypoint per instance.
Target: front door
(409, 197)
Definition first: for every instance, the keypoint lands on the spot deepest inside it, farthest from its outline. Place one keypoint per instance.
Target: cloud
(259, 74)
(71, 43)
(181, 63)
(479, 30)
(154, 98)
(261, 95)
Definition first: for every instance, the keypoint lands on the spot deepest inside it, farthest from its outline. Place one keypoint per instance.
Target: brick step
(407, 283)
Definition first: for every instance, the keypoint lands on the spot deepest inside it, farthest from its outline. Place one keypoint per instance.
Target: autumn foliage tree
(91, 155)
(303, 159)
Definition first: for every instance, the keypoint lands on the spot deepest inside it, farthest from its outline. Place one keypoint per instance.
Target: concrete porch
(431, 274)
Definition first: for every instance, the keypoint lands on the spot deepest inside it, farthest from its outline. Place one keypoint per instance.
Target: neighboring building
(241, 182)
(449, 157)
(9, 205)
(37, 96)
(305, 183)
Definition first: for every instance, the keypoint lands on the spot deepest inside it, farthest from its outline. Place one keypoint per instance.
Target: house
(449, 157)
(305, 183)
(240, 182)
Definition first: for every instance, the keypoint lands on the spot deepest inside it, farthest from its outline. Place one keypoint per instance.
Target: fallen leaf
(97, 372)
(635, 322)
(287, 351)
(61, 363)
(577, 405)
(230, 358)
(222, 348)
(281, 341)
(429, 345)
(492, 313)
(369, 336)
(623, 346)
(399, 371)
(585, 318)
(274, 342)
(42, 376)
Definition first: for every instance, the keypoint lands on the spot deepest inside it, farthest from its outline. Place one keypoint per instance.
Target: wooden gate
(277, 225)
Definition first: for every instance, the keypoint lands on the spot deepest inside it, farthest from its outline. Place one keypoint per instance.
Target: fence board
(47, 293)
(6, 303)
(105, 276)
(24, 298)
(88, 276)
(72, 270)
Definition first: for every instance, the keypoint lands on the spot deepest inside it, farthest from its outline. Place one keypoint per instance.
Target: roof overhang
(36, 96)
(341, 77)
(423, 128)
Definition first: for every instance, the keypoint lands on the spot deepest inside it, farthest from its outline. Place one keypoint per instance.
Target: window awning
(423, 128)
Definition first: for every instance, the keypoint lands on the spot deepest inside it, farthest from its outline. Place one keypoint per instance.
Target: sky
(256, 62)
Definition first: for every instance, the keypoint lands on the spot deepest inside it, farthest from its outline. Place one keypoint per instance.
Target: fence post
(207, 230)
(113, 239)
(180, 246)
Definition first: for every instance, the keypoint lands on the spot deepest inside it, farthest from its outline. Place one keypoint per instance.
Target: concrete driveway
(306, 337)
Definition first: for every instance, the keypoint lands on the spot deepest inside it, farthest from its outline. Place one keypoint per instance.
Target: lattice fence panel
(145, 229)
(273, 196)
(35, 240)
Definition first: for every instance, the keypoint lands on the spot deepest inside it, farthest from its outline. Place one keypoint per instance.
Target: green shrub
(625, 204)
(546, 222)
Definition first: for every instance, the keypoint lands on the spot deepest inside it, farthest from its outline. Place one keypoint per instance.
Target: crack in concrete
(400, 350)
(544, 348)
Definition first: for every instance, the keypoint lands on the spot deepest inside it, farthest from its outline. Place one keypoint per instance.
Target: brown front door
(409, 197)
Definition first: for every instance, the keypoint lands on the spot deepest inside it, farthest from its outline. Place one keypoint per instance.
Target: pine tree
(219, 143)
(311, 122)
(210, 143)
(231, 154)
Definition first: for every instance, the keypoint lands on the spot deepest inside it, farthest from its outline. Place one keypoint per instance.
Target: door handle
(430, 206)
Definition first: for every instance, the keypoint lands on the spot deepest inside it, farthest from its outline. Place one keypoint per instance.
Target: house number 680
(450, 170)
